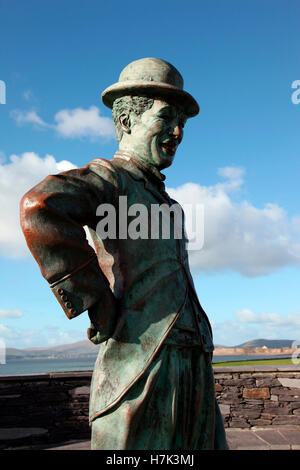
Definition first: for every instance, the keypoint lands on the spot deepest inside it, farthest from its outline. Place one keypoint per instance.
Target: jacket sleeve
(53, 214)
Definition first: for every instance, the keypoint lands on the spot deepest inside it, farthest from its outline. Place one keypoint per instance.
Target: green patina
(153, 384)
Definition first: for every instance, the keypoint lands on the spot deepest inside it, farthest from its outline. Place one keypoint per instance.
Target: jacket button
(73, 311)
(68, 304)
(60, 291)
(64, 298)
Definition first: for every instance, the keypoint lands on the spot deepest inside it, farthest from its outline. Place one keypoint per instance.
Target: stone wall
(258, 396)
(51, 408)
(44, 408)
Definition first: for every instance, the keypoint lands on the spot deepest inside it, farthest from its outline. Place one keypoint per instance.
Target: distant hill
(269, 343)
(83, 348)
(86, 348)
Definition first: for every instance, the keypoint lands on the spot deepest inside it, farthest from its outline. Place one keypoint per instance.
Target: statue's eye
(166, 117)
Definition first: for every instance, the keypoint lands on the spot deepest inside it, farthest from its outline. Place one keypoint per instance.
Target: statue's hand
(103, 315)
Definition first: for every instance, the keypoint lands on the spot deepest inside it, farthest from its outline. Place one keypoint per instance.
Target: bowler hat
(151, 77)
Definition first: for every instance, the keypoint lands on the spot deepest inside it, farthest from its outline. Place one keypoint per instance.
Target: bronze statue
(153, 383)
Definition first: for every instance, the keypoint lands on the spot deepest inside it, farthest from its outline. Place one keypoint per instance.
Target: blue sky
(239, 60)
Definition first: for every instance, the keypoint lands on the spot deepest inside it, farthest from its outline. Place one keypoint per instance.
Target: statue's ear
(125, 123)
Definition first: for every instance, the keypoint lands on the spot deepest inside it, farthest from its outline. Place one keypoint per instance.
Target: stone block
(288, 398)
(8, 397)
(288, 375)
(294, 405)
(249, 406)
(287, 419)
(285, 391)
(229, 400)
(246, 413)
(236, 422)
(231, 389)
(238, 382)
(84, 390)
(225, 409)
(248, 401)
(51, 398)
(260, 422)
(222, 376)
(268, 415)
(277, 411)
(218, 387)
(245, 375)
(8, 434)
(267, 382)
(263, 392)
(230, 395)
(81, 398)
(291, 383)
(262, 375)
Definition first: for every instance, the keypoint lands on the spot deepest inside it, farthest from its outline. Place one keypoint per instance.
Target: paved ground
(275, 438)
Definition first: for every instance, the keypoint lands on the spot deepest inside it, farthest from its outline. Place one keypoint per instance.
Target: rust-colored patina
(153, 385)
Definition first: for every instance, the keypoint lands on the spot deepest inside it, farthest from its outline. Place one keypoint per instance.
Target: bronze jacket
(150, 277)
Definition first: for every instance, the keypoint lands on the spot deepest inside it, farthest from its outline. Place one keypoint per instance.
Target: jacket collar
(153, 179)
(149, 171)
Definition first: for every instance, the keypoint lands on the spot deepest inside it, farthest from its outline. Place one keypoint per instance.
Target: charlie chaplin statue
(153, 383)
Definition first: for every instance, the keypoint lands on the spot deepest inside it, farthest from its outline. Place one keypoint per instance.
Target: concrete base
(275, 438)
(270, 438)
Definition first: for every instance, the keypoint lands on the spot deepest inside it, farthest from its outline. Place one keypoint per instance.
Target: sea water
(36, 366)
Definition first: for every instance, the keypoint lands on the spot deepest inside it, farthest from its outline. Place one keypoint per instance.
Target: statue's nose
(177, 132)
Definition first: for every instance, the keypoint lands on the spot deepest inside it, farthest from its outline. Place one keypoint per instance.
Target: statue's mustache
(172, 141)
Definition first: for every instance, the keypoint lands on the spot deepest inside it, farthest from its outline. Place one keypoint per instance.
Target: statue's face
(157, 133)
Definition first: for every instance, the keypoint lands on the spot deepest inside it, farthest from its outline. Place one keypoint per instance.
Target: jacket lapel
(138, 174)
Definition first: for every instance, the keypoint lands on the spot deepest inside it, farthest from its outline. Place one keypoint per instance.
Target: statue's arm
(53, 214)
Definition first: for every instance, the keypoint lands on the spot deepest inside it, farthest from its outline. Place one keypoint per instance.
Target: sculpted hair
(135, 105)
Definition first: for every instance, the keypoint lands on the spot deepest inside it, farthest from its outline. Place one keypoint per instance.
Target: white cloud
(28, 117)
(17, 176)
(32, 337)
(249, 325)
(70, 123)
(5, 332)
(234, 177)
(245, 316)
(2, 157)
(27, 95)
(238, 235)
(10, 313)
(83, 123)
(271, 320)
